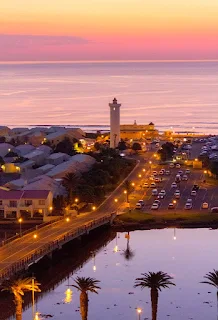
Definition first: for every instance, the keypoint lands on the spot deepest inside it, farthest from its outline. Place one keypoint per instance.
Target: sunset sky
(108, 29)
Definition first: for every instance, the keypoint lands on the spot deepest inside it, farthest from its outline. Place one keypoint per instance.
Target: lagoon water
(182, 95)
(187, 258)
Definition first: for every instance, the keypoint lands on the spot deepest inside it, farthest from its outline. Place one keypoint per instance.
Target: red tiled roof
(35, 194)
(12, 195)
(27, 194)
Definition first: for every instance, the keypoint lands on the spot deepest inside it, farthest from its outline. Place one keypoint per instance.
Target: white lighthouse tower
(114, 123)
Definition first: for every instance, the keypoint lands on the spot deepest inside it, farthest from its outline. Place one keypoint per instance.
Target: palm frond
(86, 284)
(154, 280)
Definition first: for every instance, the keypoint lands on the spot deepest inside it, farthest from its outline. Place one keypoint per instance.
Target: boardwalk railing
(37, 254)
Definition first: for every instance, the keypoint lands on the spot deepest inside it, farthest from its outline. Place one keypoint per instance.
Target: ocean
(182, 96)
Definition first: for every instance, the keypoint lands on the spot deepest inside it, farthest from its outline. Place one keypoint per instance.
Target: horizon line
(103, 61)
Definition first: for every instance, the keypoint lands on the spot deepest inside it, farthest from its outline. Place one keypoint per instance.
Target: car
(151, 177)
(185, 177)
(171, 165)
(187, 171)
(193, 193)
(160, 196)
(171, 206)
(205, 205)
(214, 210)
(177, 194)
(174, 185)
(153, 185)
(195, 187)
(154, 206)
(180, 172)
(189, 200)
(142, 202)
(167, 172)
(161, 173)
(145, 185)
(163, 192)
(154, 192)
(178, 178)
(157, 180)
(188, 206)
(178, 166)
(157, 201)
(138, 206)
(154, 173)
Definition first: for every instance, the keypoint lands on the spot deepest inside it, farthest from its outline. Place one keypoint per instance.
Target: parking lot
(206, 192)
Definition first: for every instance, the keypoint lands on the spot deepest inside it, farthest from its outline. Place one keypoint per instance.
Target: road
(27, 244)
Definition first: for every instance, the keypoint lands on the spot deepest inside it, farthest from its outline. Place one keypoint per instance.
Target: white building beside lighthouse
(114, 123)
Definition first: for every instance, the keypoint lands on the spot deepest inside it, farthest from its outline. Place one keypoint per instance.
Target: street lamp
(35, 236)
(94, 208)
(133, 184)
(67, 219)
(76, 200)
(139, 175)
(139, 311)
(143, 170)
(116, 200)
(20, 221)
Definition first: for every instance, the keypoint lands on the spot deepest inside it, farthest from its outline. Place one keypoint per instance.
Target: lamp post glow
(174, 234)
(67, 219)
(116, 200)
(35, 236)
(76, 200)
(139, 175)
(94, 208)
(20, 221)
(139, 311)
(133, 184)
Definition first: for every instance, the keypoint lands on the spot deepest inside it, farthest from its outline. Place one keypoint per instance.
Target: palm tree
(84, 285)
(212, 279)
(128, 188)
(18, 288)
(154, 281)
(70, 181)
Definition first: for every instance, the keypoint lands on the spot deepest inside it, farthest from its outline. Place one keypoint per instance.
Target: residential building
(114, 123)
(57, 158)
(26, 203)
(138, 131)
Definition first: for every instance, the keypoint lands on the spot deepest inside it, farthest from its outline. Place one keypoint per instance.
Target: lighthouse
(114, 123)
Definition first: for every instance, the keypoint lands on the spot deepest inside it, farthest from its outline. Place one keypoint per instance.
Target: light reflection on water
(187, 258)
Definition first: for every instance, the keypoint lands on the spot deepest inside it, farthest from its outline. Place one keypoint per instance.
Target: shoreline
(133, 226)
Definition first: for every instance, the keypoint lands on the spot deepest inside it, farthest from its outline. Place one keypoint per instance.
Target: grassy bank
(140, 219)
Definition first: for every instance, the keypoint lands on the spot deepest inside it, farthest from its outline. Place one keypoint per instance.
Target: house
(24, 166)
(24, 149)
(37, 156)
(79, 163)
(25, 203)
(44, 169)
(4, 131)
(5, 148)
(57, 158)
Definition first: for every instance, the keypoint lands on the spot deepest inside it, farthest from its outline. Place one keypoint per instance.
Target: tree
(18, 288)
(65, 146)
(59, 203)
(212, 279)
(2, 139)
(155, 281)
(128, 188)
(84, 285)
(122, 145)
(136, 146)
(213, 166)
(69, 182)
